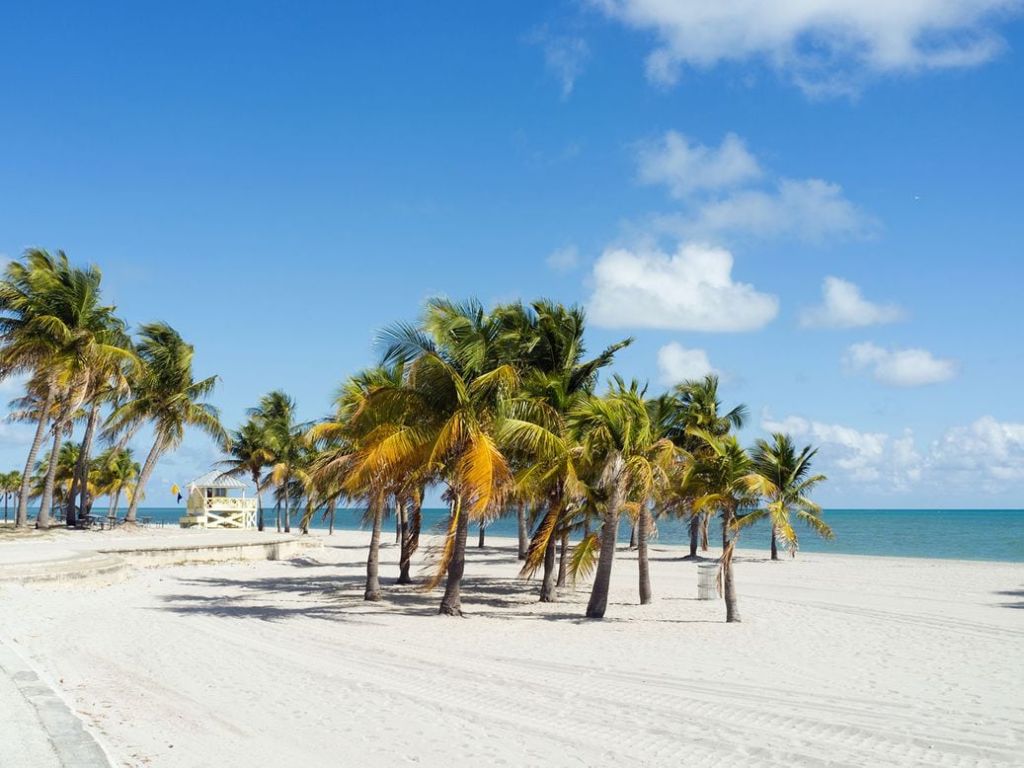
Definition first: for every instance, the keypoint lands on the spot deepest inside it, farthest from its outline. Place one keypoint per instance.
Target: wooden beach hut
(213, 502)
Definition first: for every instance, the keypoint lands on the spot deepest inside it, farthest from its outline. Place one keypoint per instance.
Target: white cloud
(985, 456)
(899, 367)
(804, 209)
(676, 363)
(563, 259)
(986, 448)
(685, 166)
(858, 453)
(843, 306)
(692, 289)
(824, 46)
(565, 57)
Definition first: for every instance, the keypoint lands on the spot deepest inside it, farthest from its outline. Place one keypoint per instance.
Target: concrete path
(38, 729)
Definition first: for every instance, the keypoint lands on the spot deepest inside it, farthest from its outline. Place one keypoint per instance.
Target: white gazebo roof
(216, 479)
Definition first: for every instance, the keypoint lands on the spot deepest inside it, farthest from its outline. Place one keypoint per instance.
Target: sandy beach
(840, 660)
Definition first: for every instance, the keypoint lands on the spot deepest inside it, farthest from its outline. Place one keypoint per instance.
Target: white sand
(840, 661)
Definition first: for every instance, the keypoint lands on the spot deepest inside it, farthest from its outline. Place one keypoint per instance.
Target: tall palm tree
(630, 460)
(723, 473)
(107, 381)
(168, 398)
(695, 405)
(352, 461)
(455, 386)
(544, 341)
(285, 443)
(783, 478)
(54, 326)
(249, 454)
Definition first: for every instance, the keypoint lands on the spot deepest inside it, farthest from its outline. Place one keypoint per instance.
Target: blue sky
(280, 182)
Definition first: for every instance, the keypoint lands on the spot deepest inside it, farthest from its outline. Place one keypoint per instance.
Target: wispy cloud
(564, 259)
(686, 166)
(899, 367)
(565, 57)
(724, 191)
(825, 47)
(843, 306)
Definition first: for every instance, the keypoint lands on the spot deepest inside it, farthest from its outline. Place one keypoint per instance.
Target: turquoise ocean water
(965, 534)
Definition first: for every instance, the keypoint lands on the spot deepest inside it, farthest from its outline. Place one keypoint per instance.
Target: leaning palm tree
(629, 461)
(724, 481)
(168, 398)
(783, 478)
(54, 327)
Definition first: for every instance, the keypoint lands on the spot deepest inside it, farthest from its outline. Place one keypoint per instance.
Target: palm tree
(629, 461)
(168, 397)
(249, 453)
(694, 405)
(783, 478)
(723, 473)
(450, 409)
(116, 472)
(10, 484)
(285, 444)
(545, 343)
(53, 326)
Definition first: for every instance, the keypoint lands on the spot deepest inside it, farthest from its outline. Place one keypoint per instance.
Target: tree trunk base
(450, 610)
(372, 596)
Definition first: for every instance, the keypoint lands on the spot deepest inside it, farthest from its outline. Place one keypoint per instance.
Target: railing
(229, 503)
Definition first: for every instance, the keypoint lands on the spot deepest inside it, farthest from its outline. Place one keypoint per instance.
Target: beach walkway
(38, 728)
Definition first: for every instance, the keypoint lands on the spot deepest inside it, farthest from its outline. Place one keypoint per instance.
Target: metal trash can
(706, 586)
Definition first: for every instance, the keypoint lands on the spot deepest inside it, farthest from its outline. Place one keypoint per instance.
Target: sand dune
(840, 660)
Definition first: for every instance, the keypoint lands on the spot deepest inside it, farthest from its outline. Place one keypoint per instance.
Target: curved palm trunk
(410, 545)
(21, 516)
(140, 486)
(524, 531)
(775, 543)
(79, 482)
(451, 603)
(705, 520)
(602, 578)
(480, 536)
(694, 534)
(563, 551)
(609, 532)
(732, 611)
(633, 536)
(547, 588)
(43, 518)
(330, 525)
(115, 497)
(373, 559)
(642, 525)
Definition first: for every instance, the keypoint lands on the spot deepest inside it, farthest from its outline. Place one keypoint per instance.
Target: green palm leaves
(783, 479)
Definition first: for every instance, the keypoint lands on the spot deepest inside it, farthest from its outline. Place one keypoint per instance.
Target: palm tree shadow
(1018, 593)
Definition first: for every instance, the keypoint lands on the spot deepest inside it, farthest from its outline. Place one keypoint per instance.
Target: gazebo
(209, 504)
